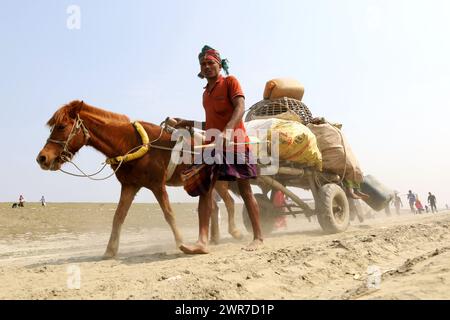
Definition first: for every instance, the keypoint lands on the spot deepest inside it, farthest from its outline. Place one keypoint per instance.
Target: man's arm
(238, 113)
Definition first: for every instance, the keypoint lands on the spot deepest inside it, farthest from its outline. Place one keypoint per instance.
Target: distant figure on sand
(21, 200)
(397, 202)
(418, 205)
(43, 201)
(387, 210)
(432, 202)
(412, 200)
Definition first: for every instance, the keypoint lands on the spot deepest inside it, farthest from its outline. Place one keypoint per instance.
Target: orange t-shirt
(219, 108)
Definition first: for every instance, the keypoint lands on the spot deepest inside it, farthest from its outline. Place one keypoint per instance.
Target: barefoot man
(223, 101)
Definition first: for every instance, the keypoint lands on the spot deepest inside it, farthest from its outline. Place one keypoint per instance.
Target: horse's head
(67, 135)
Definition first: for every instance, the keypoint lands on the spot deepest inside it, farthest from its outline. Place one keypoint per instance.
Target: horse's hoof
(236, 234)
(215, 241)
(108, 256)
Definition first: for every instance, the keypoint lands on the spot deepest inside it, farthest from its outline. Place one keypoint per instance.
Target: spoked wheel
(333, 211)
(267, 215)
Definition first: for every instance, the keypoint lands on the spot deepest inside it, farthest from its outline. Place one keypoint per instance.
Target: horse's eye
(61, 127)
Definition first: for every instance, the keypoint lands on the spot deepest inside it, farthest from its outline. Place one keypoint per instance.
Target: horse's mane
(72, 108)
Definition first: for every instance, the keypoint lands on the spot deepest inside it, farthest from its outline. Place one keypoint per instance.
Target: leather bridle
(66, 154)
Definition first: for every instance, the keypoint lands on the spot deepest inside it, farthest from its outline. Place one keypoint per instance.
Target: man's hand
(226, 137)
(182, 123)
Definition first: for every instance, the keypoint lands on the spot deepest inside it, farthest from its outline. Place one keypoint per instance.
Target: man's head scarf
(212, 54)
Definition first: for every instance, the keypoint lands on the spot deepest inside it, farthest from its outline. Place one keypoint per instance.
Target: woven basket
(283, 108)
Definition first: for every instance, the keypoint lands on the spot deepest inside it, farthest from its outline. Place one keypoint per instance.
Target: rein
(67, 155)
(142, 149)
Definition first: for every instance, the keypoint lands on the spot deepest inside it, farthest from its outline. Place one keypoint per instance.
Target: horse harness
(145, 146)
(143, 149)
(66, 155)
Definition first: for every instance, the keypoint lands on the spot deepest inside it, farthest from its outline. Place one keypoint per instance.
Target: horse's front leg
(126, 198)
(163, 200)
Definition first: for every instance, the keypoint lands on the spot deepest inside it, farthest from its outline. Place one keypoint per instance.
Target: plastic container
(380, 195)
(283, 87)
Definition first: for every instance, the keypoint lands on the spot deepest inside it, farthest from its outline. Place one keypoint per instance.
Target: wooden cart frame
(333, 208)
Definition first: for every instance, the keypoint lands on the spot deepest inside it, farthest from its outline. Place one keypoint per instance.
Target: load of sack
(313, 143)
(308, 141)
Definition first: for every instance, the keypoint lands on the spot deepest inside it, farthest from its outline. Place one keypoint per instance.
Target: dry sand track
(42, 248)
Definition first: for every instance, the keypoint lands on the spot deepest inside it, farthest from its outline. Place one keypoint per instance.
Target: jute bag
(337, 155)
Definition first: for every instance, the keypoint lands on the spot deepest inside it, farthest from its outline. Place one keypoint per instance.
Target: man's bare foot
(198, 248)
(254, 245)
(363, 195)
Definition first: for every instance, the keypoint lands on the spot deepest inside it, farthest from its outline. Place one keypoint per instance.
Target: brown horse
(78, 124)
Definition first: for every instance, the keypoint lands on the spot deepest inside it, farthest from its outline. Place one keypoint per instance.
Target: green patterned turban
(210, 53)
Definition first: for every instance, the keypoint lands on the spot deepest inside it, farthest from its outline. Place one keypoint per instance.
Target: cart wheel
(266, 215)
(333, 211)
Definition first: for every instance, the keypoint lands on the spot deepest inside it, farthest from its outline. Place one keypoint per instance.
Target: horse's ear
(75, 110)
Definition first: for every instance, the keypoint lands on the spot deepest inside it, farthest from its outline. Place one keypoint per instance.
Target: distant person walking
(397, 203)
(43, 201)
(21, 200)
(418, 204)
(387, 210)
(412, 200)
(432, 202)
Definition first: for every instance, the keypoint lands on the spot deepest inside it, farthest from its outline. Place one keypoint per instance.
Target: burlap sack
(336, 152)
(295, 141)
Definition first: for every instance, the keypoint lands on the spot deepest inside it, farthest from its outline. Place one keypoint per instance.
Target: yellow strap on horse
(137, 154)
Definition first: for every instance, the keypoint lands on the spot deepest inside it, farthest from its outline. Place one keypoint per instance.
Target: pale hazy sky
(382, 68)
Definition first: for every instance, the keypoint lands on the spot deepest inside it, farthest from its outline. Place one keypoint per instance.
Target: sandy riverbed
(42, 251)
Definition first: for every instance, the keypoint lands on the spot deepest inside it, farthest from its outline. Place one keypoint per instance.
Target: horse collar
(143, 149)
